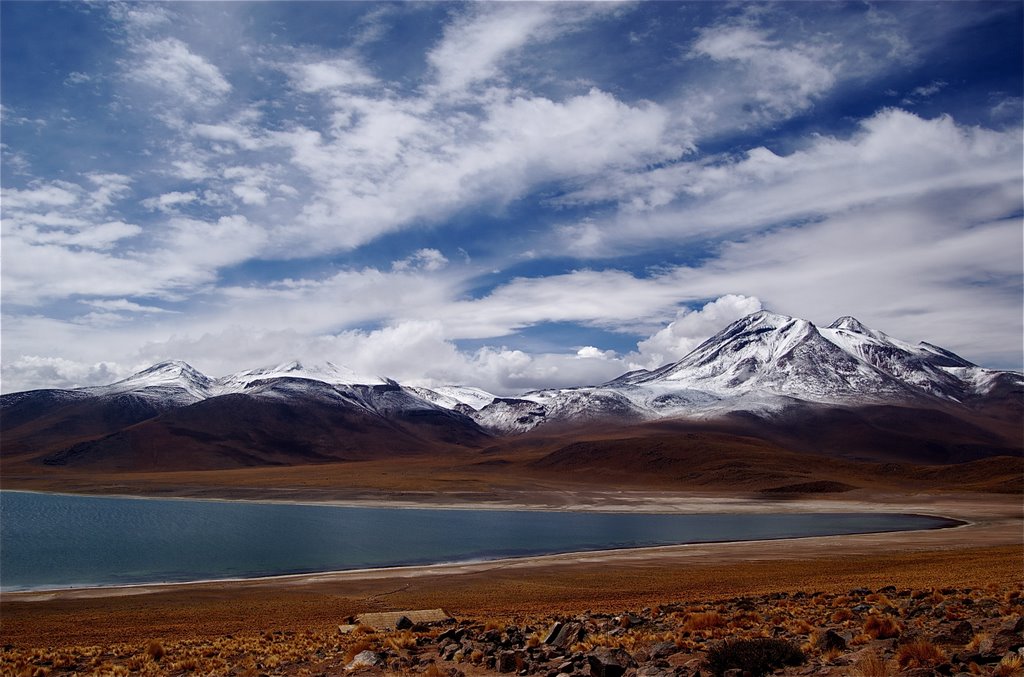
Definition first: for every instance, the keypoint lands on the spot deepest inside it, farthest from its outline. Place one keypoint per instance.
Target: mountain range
(844, 390)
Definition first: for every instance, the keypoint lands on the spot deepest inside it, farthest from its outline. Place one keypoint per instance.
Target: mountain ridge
(778, 369)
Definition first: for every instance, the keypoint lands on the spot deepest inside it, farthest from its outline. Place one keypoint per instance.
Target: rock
(1006, 641)
(1013, 625)
(959, 634)
(365, 659)
(507, 661)
(605, 662)
(346, 628)
(831, 640)
(663, 649)
(570, 634)
(451, 633)
(403, 623)
(553, 633)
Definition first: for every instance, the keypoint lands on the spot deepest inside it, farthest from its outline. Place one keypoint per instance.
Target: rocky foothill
(870, 633)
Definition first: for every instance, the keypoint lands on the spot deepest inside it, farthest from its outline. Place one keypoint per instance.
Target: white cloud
(56, 194)
(422, 259)
(330, 75)
(480, 41)
(403, 162)
(691, 328)
(77, 78)
(29, 371)
(169, 64)
(475, 43)
(168, 202)
(594, 353)
(124, 305)
(893, 158)
(779, 78)
(231, 133)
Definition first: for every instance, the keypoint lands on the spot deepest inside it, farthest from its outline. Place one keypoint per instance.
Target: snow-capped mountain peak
(848, 323)
(173, 379)
(762, 362)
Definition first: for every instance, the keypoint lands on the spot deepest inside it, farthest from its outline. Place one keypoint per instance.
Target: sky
(508, 195)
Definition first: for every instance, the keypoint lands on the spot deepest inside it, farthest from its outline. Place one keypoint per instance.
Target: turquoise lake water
(60, 541)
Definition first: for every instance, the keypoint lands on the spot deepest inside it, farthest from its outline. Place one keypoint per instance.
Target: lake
(61, 541)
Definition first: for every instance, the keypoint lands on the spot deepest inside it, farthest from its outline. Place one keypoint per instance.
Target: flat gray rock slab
(393, 619)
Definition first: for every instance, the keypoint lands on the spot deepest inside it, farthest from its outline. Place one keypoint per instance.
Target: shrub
(705, 621)
(757, 656)
(155, 650)
(919, 654)
(842, 615)
(1012, 665)
(871, 665)
(882, 627)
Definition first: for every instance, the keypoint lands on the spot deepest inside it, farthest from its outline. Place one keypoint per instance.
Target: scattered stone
(605, 662)
(389, 619)
(553, 633)
(959, 634)
(570, 634)
(365, 659)
(831, 641)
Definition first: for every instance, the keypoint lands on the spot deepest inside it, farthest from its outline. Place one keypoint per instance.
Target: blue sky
(513, 195)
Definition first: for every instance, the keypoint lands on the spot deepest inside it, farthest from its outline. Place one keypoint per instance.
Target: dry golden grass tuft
(360, 645)
(976, 642)
(703, 621)
(155, 650)
(842, 615)
(1012, 665)
(871, 665)
(882, 627)
(879, 599)
(919, 653)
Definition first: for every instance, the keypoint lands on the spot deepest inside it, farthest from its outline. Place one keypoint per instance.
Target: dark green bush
(757, 656)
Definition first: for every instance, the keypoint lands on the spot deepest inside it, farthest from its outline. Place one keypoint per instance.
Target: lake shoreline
(958, 511)
(696, 536)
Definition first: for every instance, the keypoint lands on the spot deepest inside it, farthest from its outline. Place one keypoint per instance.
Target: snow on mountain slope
(776, 354)
(174, 381)
(327, 373)
(451, 396)
(763, 362)
(922, 366)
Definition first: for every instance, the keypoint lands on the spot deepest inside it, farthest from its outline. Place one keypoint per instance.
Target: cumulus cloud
(57, 372)
(691, 328)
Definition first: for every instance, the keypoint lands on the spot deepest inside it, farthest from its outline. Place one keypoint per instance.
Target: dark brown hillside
(883, 432)
(727, 462)
(48, 420)
(240, 430)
